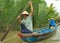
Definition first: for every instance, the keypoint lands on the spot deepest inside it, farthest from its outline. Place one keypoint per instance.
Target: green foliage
(10, 9)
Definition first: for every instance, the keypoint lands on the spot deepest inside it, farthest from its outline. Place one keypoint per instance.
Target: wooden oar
(11, 26)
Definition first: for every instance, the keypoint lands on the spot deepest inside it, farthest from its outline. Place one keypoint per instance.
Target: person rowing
(26, 23)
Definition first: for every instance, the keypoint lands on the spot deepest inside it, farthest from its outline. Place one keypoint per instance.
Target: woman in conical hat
(26, 22)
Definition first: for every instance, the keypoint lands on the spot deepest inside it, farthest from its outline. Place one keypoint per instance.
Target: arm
(19, 19)
(48, 19)
(31, 7)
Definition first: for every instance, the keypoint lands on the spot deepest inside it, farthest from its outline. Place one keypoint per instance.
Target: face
(25, 16)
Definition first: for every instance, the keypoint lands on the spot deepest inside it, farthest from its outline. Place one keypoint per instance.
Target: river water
(13, 38)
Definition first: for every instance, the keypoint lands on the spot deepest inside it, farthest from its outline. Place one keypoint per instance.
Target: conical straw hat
(52, 18)
(25, 12)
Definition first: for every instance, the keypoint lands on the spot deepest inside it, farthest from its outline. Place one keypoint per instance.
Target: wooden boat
(44, 33)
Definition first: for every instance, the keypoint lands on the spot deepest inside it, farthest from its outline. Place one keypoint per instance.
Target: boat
(44, 33)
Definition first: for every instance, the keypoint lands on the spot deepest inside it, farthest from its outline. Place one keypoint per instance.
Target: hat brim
(25, 14)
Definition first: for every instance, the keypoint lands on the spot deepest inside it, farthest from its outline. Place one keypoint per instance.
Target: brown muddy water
(13, 38)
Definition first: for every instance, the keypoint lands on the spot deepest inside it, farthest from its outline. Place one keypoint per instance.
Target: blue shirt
(52, 22)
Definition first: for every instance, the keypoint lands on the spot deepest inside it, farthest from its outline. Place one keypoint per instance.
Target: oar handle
(25, 7)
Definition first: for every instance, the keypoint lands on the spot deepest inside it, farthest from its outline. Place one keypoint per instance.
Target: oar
(10, 27)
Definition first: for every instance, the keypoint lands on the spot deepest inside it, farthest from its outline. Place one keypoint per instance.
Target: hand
(30, 2)
(18, 17)
(48, 19)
